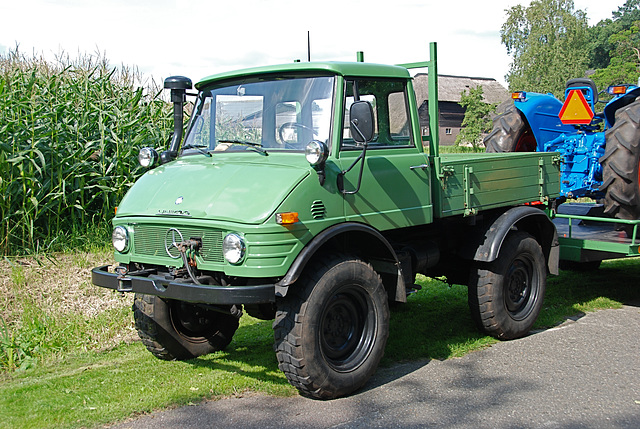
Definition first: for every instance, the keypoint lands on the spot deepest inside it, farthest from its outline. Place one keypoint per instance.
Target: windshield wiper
(198, 148)
(256, 146)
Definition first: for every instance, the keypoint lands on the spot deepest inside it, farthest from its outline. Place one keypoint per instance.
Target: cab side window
(391, 111)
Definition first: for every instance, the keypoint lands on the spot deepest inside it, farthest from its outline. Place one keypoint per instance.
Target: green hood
(247, 192)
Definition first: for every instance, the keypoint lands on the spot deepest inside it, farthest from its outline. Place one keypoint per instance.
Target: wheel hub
(347, 329)
(341, 328)
(518, 287)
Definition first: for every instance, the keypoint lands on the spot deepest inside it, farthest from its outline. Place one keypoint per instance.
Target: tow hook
(124, 282)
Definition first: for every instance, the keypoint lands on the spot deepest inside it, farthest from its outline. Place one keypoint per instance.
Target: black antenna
(308, 46)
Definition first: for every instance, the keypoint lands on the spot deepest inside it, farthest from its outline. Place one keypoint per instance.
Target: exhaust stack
(178, 86)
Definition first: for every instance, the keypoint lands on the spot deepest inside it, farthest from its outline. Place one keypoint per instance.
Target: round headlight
(120, 238)
(147, 157)
(233, 248)
(316, 152)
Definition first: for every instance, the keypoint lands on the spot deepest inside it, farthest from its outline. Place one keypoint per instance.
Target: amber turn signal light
(286, 218)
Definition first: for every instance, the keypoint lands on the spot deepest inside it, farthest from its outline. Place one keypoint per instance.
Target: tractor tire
(510, 132)
(620, 165)
(177, 330)
(332, 327)
(506, 295)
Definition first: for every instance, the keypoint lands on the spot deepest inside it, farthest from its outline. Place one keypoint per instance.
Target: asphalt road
(582, 374)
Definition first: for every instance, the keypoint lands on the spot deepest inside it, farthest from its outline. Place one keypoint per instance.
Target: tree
(624, 66)
(477, 118)
(548, 42)
(602, 49)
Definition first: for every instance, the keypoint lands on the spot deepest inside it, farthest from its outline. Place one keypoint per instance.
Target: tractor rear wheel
(621, 165)
(510, 132)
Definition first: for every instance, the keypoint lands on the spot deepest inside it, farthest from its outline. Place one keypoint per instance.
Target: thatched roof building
(450, 89)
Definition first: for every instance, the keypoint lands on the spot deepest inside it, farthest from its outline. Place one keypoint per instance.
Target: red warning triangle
(575, 109)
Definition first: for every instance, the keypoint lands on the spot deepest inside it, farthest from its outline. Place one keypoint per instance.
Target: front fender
(351, 236)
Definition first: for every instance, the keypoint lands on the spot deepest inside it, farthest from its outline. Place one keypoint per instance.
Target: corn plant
(70, 131)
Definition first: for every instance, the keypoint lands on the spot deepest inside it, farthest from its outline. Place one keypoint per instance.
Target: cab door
(395, 186)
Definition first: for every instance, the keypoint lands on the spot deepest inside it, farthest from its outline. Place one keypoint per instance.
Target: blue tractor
(600, 152)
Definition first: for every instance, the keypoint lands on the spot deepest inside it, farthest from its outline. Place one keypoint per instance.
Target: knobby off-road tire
(510, 132)
(620, 165)
(176, 330)
(332, 327)
(505, 296)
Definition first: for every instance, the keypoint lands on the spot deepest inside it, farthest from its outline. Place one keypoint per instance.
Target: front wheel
(332, 327)
(177, 330)
(505, 296)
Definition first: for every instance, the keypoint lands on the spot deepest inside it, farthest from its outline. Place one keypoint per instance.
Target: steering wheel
(292, 125)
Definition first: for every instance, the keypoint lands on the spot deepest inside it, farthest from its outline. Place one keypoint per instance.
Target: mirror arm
(321, 174)
(361, 157)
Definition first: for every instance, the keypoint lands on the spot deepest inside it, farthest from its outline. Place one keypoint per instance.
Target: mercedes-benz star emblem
(171, 239)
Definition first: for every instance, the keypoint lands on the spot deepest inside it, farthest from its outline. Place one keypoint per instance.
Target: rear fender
(618, 103)
(523, 218)
(541, 113)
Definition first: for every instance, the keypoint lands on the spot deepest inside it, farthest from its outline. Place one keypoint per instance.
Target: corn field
(70, 131)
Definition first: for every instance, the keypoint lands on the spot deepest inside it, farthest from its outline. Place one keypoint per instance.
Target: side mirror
(361, 122)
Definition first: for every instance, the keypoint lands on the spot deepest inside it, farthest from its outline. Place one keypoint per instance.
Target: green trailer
(587, 236)
(303, 194)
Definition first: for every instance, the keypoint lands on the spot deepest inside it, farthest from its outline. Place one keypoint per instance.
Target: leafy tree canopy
(601, 48)
(549, 44)
(624, 66)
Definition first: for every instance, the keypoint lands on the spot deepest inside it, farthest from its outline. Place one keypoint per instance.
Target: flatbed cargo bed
(472, 182)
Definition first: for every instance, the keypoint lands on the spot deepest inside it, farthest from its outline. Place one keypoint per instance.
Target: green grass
(86, 386)
(94, 389)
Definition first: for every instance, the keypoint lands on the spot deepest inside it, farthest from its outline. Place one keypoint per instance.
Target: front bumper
(159, 286)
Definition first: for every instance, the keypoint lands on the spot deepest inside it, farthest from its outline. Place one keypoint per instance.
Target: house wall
(450, 120)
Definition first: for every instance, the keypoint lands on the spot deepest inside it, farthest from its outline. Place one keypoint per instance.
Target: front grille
(149, 240)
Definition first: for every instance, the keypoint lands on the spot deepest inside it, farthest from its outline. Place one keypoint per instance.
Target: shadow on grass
(436, 323)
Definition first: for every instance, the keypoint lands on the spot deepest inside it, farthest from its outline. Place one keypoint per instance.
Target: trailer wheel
(505, 296)
(620, 165)
(510, 132)
(177, 330)
(332, 327)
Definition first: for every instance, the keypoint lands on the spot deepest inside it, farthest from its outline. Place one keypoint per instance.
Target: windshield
(263, 115)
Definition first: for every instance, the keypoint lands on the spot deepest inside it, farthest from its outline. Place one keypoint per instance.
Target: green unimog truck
(303, 193)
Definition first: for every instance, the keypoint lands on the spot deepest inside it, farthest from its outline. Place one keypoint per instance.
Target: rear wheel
(621, 165)
(510, 132)
(332, 327)
(177, 330)
(505, 296)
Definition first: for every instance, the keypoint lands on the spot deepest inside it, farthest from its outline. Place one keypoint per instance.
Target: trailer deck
(586, 235)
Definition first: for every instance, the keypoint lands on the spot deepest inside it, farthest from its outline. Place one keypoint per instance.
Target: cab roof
(321, 68)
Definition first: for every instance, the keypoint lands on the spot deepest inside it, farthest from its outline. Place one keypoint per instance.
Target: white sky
(202, 37)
